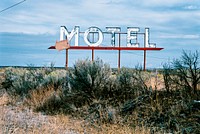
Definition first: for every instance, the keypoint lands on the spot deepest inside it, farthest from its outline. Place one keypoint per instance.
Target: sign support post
(144, 67)
(66, 63)
(119, 53)
(92, 55)
(92, 49)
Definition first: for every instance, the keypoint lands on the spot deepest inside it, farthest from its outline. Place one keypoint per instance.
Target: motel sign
(94, 36)
(132, 33)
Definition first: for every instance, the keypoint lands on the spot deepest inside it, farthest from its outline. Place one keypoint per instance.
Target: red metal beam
(111, 48)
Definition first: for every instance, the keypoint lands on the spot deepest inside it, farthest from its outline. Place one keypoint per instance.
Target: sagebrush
(92, 91)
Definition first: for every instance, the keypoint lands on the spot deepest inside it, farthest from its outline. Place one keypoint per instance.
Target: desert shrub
(167, 71)
(90, 90)
(100, 112)
(20, 81)
(130, 84)
(91, 86)
(55, 105)
(175, 109)
(56, 79)
(48, 97)
(162, 113)
(87, 80)
(93, 89)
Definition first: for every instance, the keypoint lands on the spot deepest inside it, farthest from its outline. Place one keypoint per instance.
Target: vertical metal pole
(144, 68)
(119, 54)
(93, 49)
(66, 64)
(92, 54)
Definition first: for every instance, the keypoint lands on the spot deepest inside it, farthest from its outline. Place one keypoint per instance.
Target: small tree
(183, 72)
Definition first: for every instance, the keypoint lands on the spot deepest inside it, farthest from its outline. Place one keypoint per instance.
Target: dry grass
(155, 80)
(39, 97)
(20, 119)
(23, 121)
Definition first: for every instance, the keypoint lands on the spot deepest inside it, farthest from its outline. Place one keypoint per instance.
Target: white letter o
(93, 29)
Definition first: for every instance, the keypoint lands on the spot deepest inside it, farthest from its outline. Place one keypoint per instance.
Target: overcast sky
(174, 24)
